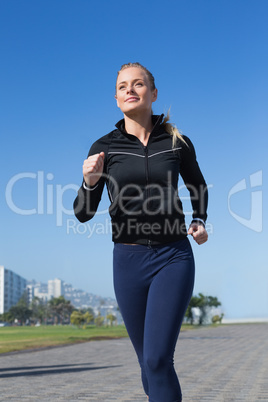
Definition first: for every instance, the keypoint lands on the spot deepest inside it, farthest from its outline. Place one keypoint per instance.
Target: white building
(55, 288)
(12, 287)
(41, 295)
(37, 289)
(30, 293)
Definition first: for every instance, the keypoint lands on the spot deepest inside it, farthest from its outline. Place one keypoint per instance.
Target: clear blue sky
(59, 61)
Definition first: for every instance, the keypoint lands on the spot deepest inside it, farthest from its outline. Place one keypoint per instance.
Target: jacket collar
(156, 119)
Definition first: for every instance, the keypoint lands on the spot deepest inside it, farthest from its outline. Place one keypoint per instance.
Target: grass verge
(22, 338)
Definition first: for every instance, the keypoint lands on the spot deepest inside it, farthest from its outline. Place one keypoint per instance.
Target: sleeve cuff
(199, 220)
(89, 188)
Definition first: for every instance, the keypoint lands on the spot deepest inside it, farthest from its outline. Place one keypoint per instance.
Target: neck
(140, 126)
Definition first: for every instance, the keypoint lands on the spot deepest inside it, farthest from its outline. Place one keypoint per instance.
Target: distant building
(55, 288)
(30, 293)
(41, 295)
(78, 298)
(12, 287)
(38, 289)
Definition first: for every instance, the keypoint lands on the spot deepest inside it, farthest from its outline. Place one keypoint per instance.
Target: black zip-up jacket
(142, 183)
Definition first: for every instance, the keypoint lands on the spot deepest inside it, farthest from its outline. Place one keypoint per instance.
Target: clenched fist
(93, 168)
(198, 232)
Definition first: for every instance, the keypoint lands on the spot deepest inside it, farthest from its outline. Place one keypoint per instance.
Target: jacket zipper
(149, 242)
(145, 148)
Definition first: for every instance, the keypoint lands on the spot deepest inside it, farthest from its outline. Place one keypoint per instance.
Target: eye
(140, 84)
(121, 87)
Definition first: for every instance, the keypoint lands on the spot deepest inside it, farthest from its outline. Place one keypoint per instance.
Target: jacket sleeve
(194, 180)
(88, 198)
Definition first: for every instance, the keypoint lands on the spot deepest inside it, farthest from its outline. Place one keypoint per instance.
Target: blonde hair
(170, 128)
(147, 72)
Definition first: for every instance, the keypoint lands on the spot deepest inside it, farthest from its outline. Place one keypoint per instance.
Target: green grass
(21, 338)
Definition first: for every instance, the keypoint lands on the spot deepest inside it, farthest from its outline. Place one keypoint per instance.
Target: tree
(99, 320)
(21, 311)
(110, 318)
(88, 317)
(38, 307)
(217, 318)
(60, 309)
(6, 317)
(194, 302)
(88, 309)
(204, 303)
(77, 318)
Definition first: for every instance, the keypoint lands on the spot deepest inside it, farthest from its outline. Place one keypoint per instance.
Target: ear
(154, 95)
(116, 100)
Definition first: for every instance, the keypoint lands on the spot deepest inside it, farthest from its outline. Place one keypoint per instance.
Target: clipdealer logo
(254, 222)
(49, 197)
(49, 200)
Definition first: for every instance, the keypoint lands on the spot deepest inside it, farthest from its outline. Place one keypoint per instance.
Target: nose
(130, 89)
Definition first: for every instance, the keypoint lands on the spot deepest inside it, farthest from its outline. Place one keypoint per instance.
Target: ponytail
(173, 131)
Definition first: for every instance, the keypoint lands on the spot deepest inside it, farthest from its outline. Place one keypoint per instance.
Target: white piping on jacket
(143, 156)
(127, 153)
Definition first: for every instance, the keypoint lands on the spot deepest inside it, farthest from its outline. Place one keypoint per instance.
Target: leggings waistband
(145, 248)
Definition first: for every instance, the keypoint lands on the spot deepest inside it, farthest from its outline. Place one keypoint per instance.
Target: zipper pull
(149, 244)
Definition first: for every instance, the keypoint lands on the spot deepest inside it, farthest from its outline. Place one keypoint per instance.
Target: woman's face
(133, 91)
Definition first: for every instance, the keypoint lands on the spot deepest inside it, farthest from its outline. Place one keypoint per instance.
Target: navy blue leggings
(153, 287)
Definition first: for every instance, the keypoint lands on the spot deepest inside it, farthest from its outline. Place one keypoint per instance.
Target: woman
(140, 162)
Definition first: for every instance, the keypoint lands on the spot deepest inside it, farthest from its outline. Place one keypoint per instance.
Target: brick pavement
(226, 363)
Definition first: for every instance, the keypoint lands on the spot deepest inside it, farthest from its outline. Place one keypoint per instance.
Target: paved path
(226, 363)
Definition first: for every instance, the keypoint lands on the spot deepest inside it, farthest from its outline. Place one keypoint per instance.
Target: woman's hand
(93, 168)
(198, 232)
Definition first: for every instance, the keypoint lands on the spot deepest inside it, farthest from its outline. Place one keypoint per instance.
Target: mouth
(132, 99)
